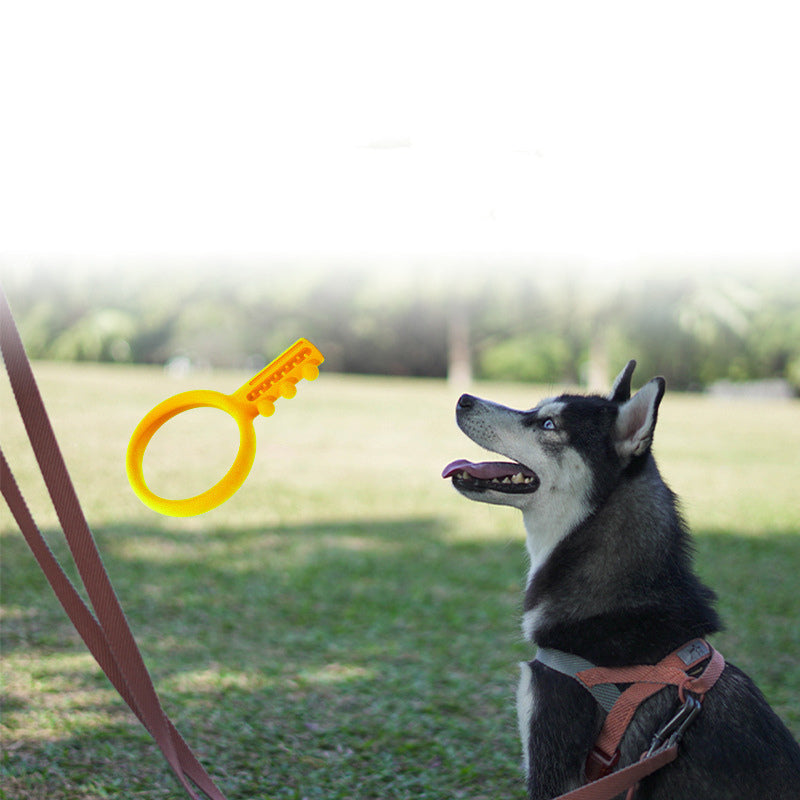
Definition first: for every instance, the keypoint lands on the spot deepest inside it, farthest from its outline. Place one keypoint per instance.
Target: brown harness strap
(107, 636)
(646, 680)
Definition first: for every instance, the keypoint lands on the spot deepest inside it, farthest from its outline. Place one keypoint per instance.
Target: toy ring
(257, 396)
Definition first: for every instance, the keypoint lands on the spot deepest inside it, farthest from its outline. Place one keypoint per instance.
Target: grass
(346, 625)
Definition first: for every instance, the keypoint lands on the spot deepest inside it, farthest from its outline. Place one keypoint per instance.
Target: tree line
(513, 322)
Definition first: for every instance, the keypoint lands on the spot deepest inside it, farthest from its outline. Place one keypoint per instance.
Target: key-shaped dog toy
(257, 396)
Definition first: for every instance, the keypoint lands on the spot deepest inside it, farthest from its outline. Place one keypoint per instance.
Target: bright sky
(603, 129)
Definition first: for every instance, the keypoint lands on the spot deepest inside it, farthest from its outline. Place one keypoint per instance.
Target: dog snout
(466, 401)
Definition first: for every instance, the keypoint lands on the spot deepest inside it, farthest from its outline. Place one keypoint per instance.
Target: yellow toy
(257, 396)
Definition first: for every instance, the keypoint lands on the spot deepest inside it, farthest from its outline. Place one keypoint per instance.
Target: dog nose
(466, 401)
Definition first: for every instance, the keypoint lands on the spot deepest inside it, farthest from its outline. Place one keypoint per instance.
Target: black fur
(637, 580)
(632, 556)
(619, 589)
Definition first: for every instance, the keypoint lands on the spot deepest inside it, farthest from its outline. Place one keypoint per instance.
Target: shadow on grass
(369, 658)
(364, 658)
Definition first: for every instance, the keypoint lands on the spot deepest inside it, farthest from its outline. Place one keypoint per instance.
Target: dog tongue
(486, 470)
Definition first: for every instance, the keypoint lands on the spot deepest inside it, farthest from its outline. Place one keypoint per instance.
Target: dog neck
(618, 585)
(546, 531)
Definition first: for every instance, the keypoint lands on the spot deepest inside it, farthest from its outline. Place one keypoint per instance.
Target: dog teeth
(516, 479)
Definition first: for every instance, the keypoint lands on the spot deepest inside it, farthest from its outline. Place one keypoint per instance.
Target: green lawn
(346, 626)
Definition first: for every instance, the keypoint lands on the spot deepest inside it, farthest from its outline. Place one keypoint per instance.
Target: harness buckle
(672, 732)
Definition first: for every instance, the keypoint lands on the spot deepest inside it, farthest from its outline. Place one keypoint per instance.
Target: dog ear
(622, 385)
(637, 420)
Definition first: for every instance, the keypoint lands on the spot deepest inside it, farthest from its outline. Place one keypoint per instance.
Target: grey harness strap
(606, 694)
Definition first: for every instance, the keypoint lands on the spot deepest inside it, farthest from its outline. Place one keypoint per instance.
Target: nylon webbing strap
(107, 635)
(616, 782)
(606, 694)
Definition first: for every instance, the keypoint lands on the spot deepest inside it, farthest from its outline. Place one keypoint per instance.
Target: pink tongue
(485, 470)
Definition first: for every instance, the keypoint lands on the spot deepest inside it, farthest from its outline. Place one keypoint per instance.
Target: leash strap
(108, 635)
(626, 778)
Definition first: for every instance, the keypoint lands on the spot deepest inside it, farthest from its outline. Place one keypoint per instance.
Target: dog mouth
(497, 476)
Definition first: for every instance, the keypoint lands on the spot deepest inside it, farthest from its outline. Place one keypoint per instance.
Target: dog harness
(693, 668)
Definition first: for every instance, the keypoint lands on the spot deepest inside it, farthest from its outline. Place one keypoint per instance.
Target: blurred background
(509, 190)
(433, 191)
(727, 333)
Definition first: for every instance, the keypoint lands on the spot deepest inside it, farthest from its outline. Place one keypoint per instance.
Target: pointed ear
(637, 420)
(621, 390)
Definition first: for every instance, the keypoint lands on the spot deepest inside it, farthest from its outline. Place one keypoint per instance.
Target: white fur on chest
(525, 710)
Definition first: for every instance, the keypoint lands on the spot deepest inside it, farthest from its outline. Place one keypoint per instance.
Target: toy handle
(241, 411)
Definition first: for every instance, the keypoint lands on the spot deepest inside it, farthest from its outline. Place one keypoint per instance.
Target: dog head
(566, 454)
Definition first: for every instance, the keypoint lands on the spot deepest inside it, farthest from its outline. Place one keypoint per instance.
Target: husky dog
(611, 582)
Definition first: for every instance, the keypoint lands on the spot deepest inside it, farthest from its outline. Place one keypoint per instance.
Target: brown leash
(107, 635)
(627, 778)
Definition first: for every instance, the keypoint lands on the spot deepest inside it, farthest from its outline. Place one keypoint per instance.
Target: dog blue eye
(549, 425)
